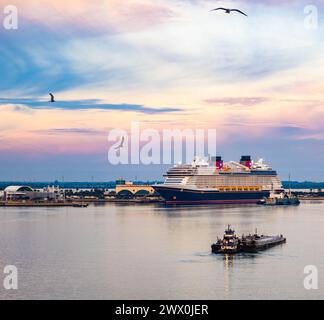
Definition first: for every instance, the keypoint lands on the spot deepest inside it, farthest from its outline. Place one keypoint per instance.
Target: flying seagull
(52, 97)
(121, 145)
(229, 10)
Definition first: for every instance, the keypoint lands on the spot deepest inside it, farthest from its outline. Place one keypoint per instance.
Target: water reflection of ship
(232, 261)
(228, 264)
(228, 261)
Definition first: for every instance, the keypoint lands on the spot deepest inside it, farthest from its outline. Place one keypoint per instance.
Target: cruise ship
(217, 182)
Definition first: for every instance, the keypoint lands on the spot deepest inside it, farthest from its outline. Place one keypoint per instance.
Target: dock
(42, 204)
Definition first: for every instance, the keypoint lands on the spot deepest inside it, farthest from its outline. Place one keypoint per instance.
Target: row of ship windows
(176, 181)
(245, 182)
(240, 188)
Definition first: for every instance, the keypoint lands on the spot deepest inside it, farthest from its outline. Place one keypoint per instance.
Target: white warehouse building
(28, 193)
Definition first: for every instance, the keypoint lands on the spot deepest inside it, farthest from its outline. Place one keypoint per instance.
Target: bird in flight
(230, 10)
(121, 145)
(52, 97)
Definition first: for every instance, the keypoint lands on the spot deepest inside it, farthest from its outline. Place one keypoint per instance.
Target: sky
(258, 80)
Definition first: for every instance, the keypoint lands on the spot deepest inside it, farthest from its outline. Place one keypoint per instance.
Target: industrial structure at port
(123, 191)
(19, 193)
(213, 181)
(129, 189)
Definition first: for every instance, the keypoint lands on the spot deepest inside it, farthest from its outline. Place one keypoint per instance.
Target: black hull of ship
(186, 196)
(217, 249)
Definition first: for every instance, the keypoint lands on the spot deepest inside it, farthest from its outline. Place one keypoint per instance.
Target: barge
(231, 243)
(255, 243)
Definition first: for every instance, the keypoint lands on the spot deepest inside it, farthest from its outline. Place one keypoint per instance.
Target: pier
(41, 204)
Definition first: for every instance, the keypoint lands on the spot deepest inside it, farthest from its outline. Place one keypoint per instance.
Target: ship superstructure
(214, 181)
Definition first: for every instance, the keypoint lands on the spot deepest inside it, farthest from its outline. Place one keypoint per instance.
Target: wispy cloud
(146, 44)
(94, 104)
(239, 102)
(64, 131)
(95, 17)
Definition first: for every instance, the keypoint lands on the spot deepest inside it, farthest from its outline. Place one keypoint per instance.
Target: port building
(128, 189)
(16, 193)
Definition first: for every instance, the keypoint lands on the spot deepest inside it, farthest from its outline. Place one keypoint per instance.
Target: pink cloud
(241, 102)
(97, 15)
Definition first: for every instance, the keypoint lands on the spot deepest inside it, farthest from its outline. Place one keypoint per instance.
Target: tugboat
(282, 199)
(229, 244)
(232, 244)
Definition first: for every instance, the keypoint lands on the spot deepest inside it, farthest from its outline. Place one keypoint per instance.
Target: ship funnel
(219, 163)
(246, 161)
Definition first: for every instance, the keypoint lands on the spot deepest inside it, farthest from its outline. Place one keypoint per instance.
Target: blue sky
(166, 64)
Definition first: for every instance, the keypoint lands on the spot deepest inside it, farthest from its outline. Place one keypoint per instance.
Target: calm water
(153, 252)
